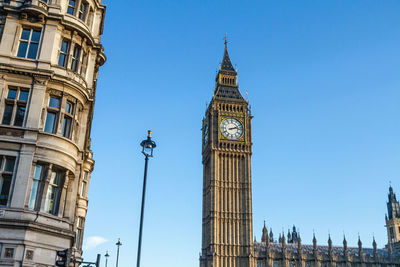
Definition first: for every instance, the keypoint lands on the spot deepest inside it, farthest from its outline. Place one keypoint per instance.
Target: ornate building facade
(393, 220)
(227, 202)
(50, 54)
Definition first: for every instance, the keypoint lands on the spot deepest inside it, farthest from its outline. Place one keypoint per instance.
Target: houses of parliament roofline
(276, 253)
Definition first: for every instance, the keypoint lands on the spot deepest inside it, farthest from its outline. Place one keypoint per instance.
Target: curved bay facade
(50, 54)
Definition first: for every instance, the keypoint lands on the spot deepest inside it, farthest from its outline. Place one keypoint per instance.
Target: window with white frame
(80, 221)
(15, 106)
(84, 184)
(53, 110)
(6, 174)
(53, 194)
(39, 172)
(83, 9)
(29, 43)
(68, 119)
(71, 7)
(63, 55)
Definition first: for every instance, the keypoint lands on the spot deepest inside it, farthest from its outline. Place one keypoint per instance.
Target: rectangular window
(67, 121)
(52, 115)
(51, 123)
(54, 102)
(54, 192)
(15, 106)
(83, 10)
(84, 63)
(75, 58)
(29, 43)
(6, 173)
(69, 107)
(8, 110)
(62, 58)
(9, 253)
(66, 127)
(79, 232)
(35, 186)
(83, 189)
(19, 116)
(12, 93)
(2, 24)
(71, 7)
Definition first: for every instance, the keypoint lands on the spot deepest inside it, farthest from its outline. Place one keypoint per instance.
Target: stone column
(21, 179)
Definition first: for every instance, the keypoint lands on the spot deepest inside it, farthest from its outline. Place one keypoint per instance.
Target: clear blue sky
(324, 85)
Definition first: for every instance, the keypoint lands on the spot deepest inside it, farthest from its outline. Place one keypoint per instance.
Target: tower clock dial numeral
(231, 128)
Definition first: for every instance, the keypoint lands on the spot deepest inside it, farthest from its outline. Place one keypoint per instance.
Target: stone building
(227, 201)
(50, 54)
(393, 220)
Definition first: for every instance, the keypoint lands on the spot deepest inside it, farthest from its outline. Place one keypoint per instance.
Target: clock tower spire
(226, 155)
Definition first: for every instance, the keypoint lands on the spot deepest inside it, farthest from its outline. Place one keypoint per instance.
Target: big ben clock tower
(226, 149)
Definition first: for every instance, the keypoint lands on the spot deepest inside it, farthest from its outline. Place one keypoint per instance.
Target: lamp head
(148, 145)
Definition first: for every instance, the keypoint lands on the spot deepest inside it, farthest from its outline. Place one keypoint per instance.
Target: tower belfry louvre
(227, 149)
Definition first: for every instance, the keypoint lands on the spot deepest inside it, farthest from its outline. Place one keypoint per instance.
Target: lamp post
(147, 149)
(106, 255)
(118, 245)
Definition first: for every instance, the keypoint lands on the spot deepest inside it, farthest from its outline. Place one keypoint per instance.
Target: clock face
(231, 128)
(205, 134)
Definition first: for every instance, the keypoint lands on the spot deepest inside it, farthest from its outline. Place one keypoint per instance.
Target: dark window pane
(22, 49)
(25, 34)
(50, 122)
(72, 3)
(77, 51)
(33, 48)
(19, 116)
(66, 127)
(23, 95)
(7, 114)
(35, 36)
(54, 102)
(12, 94)
(5, 183)
(69, 107)
(70, 10)
(9, 167)
(61, 60)
(64, 46)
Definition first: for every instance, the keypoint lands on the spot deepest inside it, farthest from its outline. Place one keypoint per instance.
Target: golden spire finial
(226, 39)
(149, 133)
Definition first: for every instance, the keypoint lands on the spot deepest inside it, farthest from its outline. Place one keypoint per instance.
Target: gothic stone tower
(393, 220)
(227, 148)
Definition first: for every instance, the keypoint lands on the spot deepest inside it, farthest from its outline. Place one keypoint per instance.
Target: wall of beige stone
(23, 229)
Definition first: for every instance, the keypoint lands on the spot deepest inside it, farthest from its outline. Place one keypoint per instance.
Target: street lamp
(106, 255)
(147, 149)
(118, 245)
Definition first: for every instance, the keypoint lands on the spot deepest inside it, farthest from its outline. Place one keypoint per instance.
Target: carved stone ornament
(40, 80)
(54, 92)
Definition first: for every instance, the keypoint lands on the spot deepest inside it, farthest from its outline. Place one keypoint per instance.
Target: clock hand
(232, 128)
